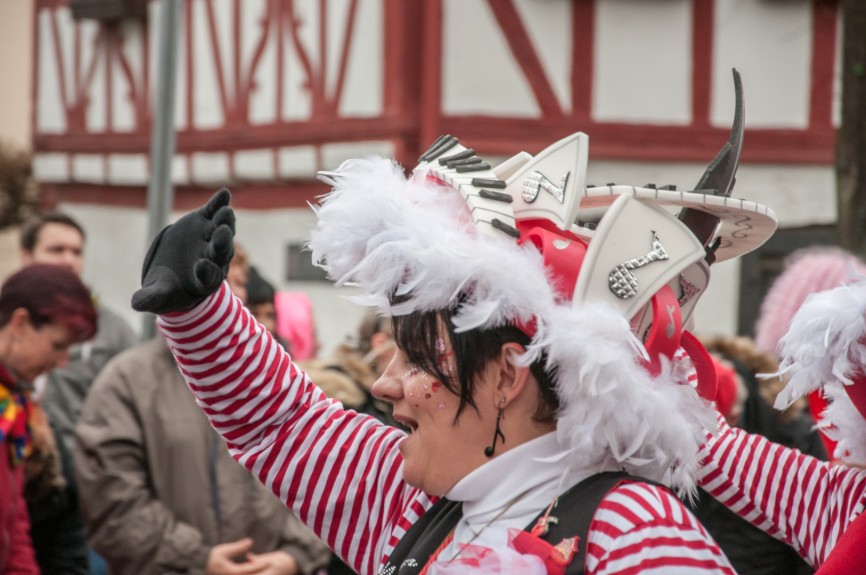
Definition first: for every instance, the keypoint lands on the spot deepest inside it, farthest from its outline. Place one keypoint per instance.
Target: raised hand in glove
(188, 260)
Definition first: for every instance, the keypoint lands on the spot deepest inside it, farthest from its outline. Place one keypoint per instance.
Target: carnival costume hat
(601, 278)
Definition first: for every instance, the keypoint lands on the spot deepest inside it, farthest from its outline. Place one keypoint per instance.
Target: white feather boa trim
(823, 348)
(387, 234)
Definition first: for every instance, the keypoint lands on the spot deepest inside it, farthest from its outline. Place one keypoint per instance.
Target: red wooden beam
(824, 36)
(401, 74)
(246, 80)
(703, 32)
(497, 136)
(189, 66)
(235, 138)
(523, 50)
(431, 76)
(292, 22)
(582, 56)
(348, 33)
(213, 37)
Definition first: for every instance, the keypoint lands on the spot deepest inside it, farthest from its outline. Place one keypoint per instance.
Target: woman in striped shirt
(540, 435)
(807, 503)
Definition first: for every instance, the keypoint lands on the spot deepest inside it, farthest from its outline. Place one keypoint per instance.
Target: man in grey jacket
(161, 494)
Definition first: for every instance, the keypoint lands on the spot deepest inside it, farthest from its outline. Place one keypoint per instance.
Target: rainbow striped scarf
(14, 417)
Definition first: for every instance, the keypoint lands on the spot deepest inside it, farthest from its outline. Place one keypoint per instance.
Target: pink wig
(807, 271)
(295, 324)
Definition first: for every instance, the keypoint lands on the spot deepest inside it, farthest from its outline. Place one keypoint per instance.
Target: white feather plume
(823, 349)
(392, 235)
(612, 407)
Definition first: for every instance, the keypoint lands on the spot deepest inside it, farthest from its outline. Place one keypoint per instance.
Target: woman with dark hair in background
(43, 310)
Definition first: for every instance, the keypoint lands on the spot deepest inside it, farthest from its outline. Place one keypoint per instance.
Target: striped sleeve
(805, 502)
(337, 469)
(641, 528)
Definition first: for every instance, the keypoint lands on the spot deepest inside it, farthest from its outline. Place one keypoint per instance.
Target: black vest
(575, 510)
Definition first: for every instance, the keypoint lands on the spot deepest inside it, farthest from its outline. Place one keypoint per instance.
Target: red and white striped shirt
(340, 471)
(805, 502)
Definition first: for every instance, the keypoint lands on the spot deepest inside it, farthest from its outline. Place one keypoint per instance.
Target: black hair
(259, 290)
(418, 335)
(30, 230)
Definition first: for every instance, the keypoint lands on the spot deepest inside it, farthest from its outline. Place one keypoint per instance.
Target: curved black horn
(720, 175)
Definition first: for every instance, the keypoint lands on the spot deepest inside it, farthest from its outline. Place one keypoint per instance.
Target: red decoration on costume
(728, 383)
(555, 557)
(817, 404)
(857, 393)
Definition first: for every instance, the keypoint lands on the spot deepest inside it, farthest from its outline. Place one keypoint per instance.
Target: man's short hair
(30, 230)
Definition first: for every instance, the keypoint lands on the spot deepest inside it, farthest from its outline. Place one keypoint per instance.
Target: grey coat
(158, 486)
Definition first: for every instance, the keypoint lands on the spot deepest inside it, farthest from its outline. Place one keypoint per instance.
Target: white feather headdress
(824, 350)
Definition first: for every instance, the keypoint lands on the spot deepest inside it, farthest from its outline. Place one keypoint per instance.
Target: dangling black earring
(489, 451)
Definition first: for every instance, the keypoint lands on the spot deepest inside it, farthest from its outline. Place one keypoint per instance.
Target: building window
(299, 265)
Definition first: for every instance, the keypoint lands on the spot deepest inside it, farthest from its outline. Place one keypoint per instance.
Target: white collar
(538, 469)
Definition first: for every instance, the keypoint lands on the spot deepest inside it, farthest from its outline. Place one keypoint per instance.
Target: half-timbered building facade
(269, 91)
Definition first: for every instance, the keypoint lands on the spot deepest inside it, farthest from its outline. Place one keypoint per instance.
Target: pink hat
(295, 323)
(807, 271)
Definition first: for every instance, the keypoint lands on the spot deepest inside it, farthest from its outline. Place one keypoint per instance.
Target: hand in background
(275, 563)
(226, 559)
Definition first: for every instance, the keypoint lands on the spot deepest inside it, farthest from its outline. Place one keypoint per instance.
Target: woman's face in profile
(38, 350)
(441, 447)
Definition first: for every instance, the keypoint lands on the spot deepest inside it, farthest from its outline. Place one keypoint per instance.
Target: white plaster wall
(770, 44)
(479, 75)
(642, 62)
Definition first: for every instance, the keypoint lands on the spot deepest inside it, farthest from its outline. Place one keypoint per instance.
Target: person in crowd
(746, 401)
(812, 505)
(805, 271)
(356, 364)
(260, 301)
(296, 324)
(238, 276)
(160, 492)
(540, 434)
(58, 239)
(43, 310)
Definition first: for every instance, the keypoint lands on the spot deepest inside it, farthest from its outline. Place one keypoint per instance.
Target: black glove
(188, 260)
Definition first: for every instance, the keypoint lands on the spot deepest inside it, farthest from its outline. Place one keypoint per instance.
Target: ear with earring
(491, 449)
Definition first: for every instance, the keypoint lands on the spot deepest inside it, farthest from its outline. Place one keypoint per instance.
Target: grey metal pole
(160, 191)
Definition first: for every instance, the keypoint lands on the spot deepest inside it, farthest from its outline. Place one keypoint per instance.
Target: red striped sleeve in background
(803, 501)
